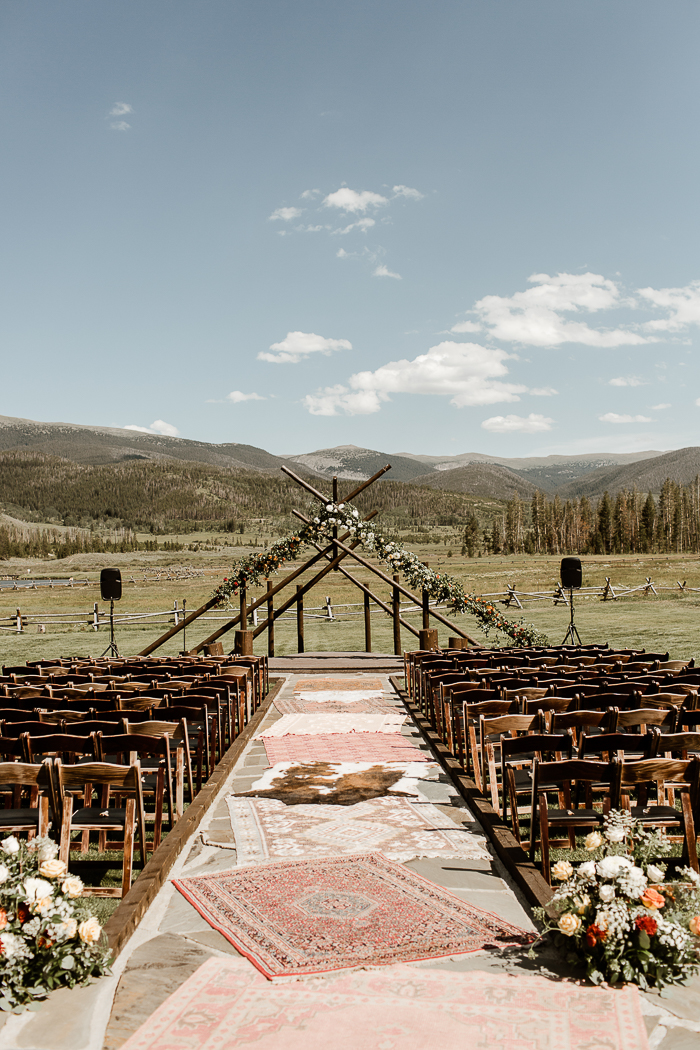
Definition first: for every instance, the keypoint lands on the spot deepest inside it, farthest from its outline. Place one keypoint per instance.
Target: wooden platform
(327, 662)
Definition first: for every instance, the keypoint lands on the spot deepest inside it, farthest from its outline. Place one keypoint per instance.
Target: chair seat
(575, 816)
(650, 814)
(18, 818)
(94, 817)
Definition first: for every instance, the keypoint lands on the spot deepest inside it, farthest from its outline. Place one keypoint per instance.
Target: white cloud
(361, 224)
(120, 109)
(384, 271)
(308, 195)
(406, 191)
(467, 373)
(119, 125)
(661, 407)
(352, 201)
(159, 426)
(466, 326)
(286, 214)
(613, 417)
(683, 305)
(543, 391)
(531, 424)
(532, 316)
(236, 396)
(628, 381)
(298, 345)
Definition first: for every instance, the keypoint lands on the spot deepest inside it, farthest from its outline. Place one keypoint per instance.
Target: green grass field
(668, 621)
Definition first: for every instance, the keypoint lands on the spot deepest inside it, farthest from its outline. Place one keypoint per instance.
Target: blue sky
(423, 227)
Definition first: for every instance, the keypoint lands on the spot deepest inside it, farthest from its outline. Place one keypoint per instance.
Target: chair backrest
(671, 743)
(579, 720)
(646, 716)
(657, 769)
(612, 743)
(26, 774)
(580, 770)
(172, 730)
(57, 744)
(120, 778)
(15, 729)
(131, 743)
(540, 743)
(509, 724)
(549, 703)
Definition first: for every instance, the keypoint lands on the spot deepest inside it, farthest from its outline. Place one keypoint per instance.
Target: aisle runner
(300, 917)
(341, 783)
(325, 724)
(343, 747)
(267, 828)
(365, 686)
(403, 1008)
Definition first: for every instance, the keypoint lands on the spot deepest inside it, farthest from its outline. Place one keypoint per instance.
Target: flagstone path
(173, 940)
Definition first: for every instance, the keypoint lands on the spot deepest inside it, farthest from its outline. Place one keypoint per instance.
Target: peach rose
(653, 899)
(569, 924)
(52, 869)
(90, 931)
(694, 925)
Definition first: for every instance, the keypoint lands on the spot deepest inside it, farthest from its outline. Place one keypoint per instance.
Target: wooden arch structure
(330, 557)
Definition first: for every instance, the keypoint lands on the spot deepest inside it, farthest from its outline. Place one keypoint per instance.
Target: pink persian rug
(361, 685)
(344, 747)
(324, 723)
(298, 917)
(326, 702)
(221, 1007)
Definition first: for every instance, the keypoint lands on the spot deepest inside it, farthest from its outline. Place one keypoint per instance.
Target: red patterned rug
(343, 747)
(333, 913)
(221, 1007)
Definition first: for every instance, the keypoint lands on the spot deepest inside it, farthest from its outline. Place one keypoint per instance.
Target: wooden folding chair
(34, 781)
(490, 732)
(123, 780)
(569, 816)
(668, 774)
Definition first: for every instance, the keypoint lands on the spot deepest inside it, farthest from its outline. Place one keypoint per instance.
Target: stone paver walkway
(173, 940)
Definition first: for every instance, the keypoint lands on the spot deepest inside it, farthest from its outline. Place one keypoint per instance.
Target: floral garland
(440, 586)
(47, 940)
(615, 915)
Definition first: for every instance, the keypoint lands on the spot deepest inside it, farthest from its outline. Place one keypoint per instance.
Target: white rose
(329, 507)
(569, 923)
(10, 844)
(52, 869)
(90, 931)
(4, 873)
(69, 928)
(562, 870)
(615, 834)
(36, 890)
(607, 893)
(73, 886)
(655, 874)
(586, 870)
(610, 867)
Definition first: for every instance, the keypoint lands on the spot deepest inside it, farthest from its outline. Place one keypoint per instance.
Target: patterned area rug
(398, 1008)
(325, 724)
(341, 783)
(345, 685)
(300, 917)
(266, 829)
(331, 701)
(344, 747)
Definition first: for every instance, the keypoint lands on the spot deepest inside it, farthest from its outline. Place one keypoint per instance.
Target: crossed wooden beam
(332, 554)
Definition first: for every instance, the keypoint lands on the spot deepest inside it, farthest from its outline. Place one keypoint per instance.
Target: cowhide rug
(340, 783)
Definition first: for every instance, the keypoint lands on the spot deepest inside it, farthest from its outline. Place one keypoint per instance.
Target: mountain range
(475, 473)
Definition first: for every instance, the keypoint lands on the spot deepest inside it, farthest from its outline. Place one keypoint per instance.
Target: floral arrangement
(615, 915)
(440, 586)
(46, 940)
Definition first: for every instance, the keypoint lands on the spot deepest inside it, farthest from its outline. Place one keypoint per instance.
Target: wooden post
(19, 622)
(300, 619)
(368, 625)
(243, 638)
(396, 608)
(95, 617)
(428, 638)
(457, 643)
(426, 611)
(244, 610)
(335, 500)
(270, 620)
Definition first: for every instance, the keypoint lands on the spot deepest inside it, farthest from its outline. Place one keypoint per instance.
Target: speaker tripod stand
(572, 634)
(112, 647)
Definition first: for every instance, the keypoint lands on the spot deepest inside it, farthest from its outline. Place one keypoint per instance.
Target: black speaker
(110, 585)
(571, 573)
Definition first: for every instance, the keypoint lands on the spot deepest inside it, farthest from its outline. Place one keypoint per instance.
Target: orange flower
(652, 899)
(3, 918)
